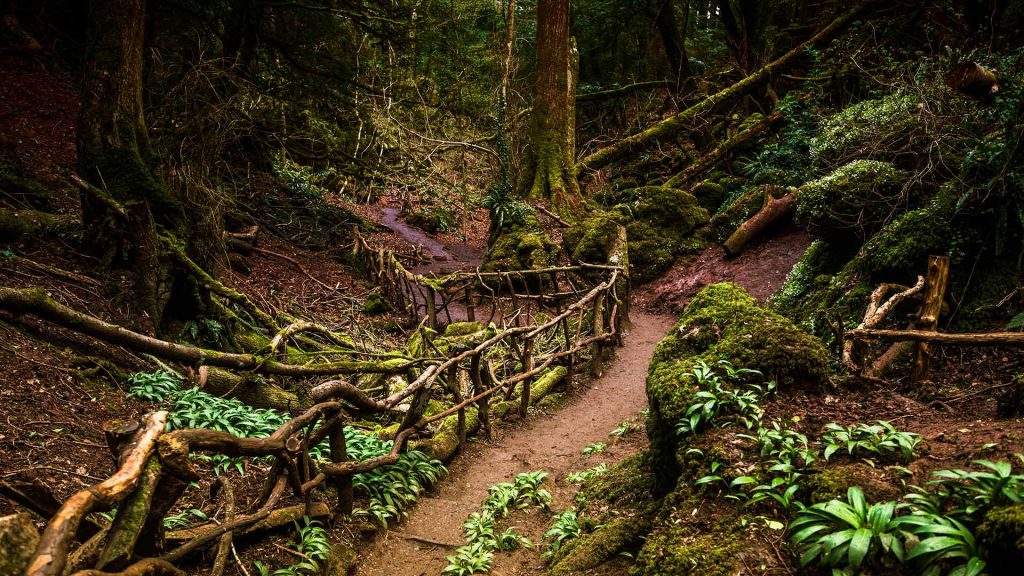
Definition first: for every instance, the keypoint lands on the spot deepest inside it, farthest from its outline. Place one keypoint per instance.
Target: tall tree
(672, 39)
(126, 201)
(549, 170)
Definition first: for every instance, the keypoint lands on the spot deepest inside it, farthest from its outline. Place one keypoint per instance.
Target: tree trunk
(549, 170)
(114, 155)
(774, 210)
(675, 47)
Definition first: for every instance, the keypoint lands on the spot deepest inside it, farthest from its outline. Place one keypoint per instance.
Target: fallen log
(1011, 339)
(774, 209)
(875, 313)
(708, 160)
(51, 555)
(670, 126)
(36, 302)
(146, 567)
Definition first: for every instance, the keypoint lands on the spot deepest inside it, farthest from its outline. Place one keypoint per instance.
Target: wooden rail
(542, 326)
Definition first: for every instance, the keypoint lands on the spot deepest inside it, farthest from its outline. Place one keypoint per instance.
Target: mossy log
(37, 302)
(256, 392)
(973, 79)
(670, 126)
(445, 442)
(598, 547)
(774, 210)
(16, 224)
(131, 516)
(711, 158)
(18, 539)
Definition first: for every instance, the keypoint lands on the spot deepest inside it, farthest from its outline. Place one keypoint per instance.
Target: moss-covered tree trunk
(549, 170)
(130, 201)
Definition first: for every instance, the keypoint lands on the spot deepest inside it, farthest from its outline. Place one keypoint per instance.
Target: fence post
(431, 308)
(482, 405)
(470, 306)
(524, 398)
(571, 358)
(339, 453)
(934, 291)
(597, 358)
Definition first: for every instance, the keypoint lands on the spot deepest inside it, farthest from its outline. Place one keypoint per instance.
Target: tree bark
(549, 171)
(774, 209)
(673, 41)
(114, 155)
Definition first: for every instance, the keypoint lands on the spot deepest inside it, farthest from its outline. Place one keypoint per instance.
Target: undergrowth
(390, 490)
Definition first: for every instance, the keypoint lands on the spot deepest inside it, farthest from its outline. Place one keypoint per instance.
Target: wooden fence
(544, 325)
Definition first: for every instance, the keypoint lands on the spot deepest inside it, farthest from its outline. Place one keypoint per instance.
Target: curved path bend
(542, 442)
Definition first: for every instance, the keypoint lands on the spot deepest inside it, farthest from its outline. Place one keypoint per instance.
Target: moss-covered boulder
(521, 245)
(660, 224)
(853, 201)
(833, 482)
(722, 322)
(679, 549)
(592, 239)
(880, 129)
(1002, 534)
(18, 540)
(375, 303)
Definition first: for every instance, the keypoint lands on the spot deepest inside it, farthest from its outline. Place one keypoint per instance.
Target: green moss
(376, 304)
(1002, 534)
(678, 549)
(722, 321)
(519, 246)
(15, 224)
(869, 129)
(626, 484)
(800, 279)
(710, 195)
(835, 479)
(853, 201)
(591, 239)
(342, 560)
(462, 329)
(604, 543)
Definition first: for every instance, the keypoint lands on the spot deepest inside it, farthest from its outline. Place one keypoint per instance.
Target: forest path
(550, 443)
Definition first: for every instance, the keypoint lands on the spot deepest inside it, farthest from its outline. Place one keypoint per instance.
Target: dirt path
(550, 443)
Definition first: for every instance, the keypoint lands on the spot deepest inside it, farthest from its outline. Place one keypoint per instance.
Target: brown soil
(761, 270)
(551, 444)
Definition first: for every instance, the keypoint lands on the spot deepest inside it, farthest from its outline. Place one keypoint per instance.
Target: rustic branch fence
(543, 326)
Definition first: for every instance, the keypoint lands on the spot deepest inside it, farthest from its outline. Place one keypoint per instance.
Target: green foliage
(588, 474)
(203, 330)
(390, 489)
(971, 493)
(311, 544)
(505, 209)
(943, 541)
(564, 528)
(595, 448)
(786, 160)
(482, 537)
(184, 519)
(878, 439)
(716, 403)
(848, 534)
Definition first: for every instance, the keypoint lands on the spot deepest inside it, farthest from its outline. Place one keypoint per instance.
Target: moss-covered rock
(1002, 534)
(376, 304)
(834, 480)
(591, 239)
(722, 321)
(519, 246)
(608, 540)
(660, 223)
(880, 129)
(853, 201)
(18, 540)
(679, 549)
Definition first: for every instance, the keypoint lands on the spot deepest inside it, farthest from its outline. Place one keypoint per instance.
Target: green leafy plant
(311, 544)
(723, 399)
(972, 492)
(564, 528)
(184, 519)
(847, 534)
(203, 330)
(588, 474)
(476, 558)
(943, 540)
(153, 386)
(504, 208)
(879, 439)
(595, 448)
(622, 429)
